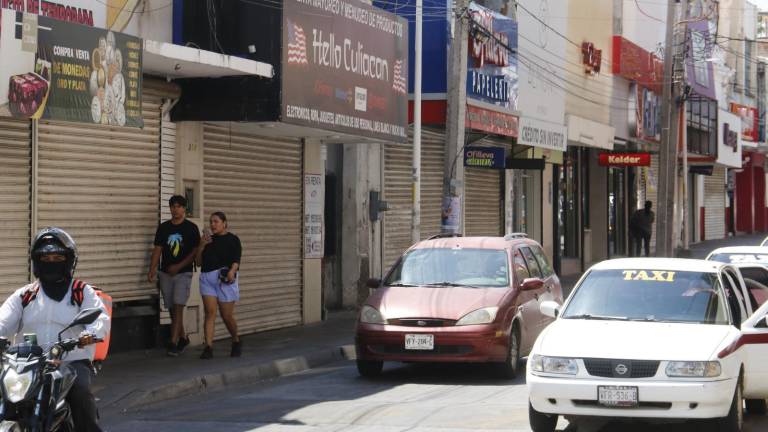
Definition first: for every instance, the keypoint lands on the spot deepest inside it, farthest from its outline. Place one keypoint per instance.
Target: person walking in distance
(219, 254)
(176, 242)
(641, 227)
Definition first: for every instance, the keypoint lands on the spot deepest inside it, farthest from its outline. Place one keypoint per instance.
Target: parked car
(752, 262)
(740, 254)
(651, 338)
(458, 299)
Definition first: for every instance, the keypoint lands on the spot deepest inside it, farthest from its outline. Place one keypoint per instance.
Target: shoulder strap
(29, 294)
(77, 292)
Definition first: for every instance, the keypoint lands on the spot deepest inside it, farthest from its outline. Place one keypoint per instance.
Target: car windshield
(451, 267)
(741, 258)
(649, 295)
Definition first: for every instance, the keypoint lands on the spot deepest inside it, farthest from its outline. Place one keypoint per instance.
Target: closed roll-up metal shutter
(257, 183)
(398, 191)
(432, 169)
(167, 166)
(483, 202)
(101, 184)
(714, 204)
(15, 154)
(398, 186)
(651, 194)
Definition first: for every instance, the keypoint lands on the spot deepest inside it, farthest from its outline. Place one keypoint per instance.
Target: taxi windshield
(442, 267)
(741, 258)
(649, 295)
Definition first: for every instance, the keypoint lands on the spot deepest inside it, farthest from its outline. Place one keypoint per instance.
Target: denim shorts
(211, 286)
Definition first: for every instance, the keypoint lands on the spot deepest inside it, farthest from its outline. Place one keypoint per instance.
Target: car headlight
(370, 315)
(16, 385)
(554, 365)
(480, 316)
(694, 369)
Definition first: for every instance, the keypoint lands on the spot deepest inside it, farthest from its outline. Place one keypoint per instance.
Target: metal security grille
(257, 182)
(714, 204)
(101, 183)
(15, 154)
(483, 201)
(651, 194)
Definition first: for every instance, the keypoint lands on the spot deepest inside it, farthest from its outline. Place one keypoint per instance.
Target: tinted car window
(647, 295)
(756, 280)
(541, 257)
(533, 266)
(740, 258)
(521, 269)
(476, 267)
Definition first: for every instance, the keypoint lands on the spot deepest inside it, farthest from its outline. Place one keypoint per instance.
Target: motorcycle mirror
(85, 317)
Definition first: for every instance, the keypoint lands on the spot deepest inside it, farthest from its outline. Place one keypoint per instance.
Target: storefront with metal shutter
(484, 202)
(714, 204)
(398, 192)
(651, 194)
(101, 184)
(15, 191)
(257, 183)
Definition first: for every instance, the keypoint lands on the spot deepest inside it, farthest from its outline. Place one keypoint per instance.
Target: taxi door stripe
(745, 339)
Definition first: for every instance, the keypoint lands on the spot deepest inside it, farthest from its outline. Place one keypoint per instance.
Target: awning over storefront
(177, 61)
(589, 133)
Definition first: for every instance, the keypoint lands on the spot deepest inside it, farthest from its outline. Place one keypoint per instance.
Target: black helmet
(53, 240)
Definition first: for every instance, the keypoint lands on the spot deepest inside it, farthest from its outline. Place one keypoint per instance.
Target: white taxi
(651, 338)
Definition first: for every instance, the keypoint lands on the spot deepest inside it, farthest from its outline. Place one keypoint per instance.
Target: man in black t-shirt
(176, 242)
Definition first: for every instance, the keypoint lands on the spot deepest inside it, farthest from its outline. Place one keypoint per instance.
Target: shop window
(702, 126)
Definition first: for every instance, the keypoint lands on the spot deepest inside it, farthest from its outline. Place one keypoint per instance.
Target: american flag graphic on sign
(398, 83)
(297, 44)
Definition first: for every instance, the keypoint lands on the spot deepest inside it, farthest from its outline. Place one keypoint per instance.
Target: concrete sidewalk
(134, 379)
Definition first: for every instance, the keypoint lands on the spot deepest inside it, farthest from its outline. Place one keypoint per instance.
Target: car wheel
(734, 421)
(541, 422)
(511, 365)
(369, 368)
(756, 406)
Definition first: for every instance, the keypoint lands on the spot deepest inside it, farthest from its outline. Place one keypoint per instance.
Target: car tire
(756, 406)
(541, 422)
(369, 368)
(734, 421)
(510, 367)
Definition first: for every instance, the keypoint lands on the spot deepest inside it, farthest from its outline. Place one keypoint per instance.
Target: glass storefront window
(568, 204)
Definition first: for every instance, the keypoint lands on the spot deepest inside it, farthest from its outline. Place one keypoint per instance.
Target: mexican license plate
(617, 396)
(424, 342)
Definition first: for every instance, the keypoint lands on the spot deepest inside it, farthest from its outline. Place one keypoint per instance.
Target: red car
(458, 299)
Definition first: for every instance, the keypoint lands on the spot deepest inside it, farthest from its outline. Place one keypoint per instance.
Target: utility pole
(667, 176)
(453, 186)
(416, 215)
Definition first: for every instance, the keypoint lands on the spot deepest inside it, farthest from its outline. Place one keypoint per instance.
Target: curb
(238, 376)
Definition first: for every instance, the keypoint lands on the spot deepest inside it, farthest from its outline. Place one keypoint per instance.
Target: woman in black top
(219, 258)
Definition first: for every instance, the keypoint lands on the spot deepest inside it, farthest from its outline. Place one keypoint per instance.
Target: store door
(617, 212)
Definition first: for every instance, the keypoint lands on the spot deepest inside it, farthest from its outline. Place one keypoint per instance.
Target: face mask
(53, 278)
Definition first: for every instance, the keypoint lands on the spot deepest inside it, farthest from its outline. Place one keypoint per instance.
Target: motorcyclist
(45, 312)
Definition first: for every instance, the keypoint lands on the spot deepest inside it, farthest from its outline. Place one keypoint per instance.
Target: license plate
(617, 396)
(419, 342)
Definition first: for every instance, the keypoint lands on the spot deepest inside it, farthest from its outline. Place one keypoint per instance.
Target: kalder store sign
(345, 68)
(52, 69)
(492, 73)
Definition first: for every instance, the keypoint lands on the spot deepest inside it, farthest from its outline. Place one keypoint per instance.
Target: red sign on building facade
(749, 121)
(636, 64)
(625, 159)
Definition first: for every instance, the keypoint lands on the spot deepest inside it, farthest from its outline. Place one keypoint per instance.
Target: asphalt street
(414, 398)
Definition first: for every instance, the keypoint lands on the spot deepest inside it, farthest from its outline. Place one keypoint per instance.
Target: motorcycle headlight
(693, 369)
(480, 316)
(370, 315)
(554, 365)
(16, 385)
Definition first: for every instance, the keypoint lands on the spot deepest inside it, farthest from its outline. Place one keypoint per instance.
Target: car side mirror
(373, 283)
(531, 284)
(550, 309)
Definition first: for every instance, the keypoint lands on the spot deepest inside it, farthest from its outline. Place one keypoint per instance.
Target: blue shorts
(211, 286)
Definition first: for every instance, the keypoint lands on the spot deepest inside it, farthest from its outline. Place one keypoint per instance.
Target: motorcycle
(34, 382)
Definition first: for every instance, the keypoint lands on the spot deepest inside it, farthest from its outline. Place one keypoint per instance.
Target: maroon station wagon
(458, 299)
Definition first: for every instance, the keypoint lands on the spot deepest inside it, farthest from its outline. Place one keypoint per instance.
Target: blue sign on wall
(492, 64)
(484, 157)
(434, 51)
